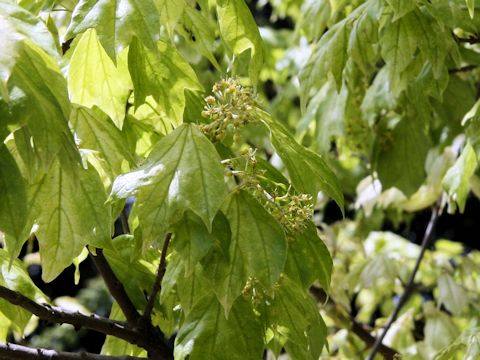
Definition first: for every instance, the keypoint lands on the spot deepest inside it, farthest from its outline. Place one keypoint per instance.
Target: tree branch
(12, 351)
(465, 68)
(53, 315)
(115, 287)
(427, 239)
(157, 285)
(357, 328)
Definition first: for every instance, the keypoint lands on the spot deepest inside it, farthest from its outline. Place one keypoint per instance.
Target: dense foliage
(250, 178)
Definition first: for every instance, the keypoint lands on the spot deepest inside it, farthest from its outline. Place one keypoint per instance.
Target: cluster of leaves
(102, 101)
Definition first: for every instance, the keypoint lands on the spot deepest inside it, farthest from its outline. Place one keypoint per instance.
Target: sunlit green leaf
(183, 172)
(70, 210)
(116, 22)
(240, 33)
(97, 132)
(164, 74)
(93, 78)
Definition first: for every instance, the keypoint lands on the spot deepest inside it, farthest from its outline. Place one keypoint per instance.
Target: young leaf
(116, 22)
(183, 172)
(207, 334)
(240, 33)
(69, 208)
(257, 248)
(93, 79)
(164, 74)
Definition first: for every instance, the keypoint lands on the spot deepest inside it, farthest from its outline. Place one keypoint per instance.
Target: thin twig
(427, 239)
(115, 287)
(469, 40)
(465, 68)
(356, 327)
(157, 285)
(12, 351)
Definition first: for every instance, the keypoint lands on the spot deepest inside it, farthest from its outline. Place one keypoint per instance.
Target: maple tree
(240, 189)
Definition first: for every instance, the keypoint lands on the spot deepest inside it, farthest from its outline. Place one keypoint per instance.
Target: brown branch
(470, 40)
(427, 239)
(465, 68)
(78, 320)
(12, 351)
(356, 327)
(116, 288)
(157, 285)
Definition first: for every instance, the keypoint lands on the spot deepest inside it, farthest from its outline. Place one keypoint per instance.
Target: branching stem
(426, 241)
(157, 285)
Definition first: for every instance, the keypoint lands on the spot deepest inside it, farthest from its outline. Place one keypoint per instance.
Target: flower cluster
(290, 209)
(229, 108)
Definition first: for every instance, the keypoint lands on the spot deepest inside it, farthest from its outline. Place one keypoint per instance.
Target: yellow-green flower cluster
(290, 209)
(229, 108)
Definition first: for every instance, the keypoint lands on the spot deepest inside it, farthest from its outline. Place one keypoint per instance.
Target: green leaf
(399, 41)
(114, 346)
(240, 33)
(257, 248)
(457, 179)
(296, 322)
(328, 56)
(70, 211)
(183, 172)
(14, 276)
(136, 274)
(401, 7)
(13, 197)
(401, 163)
(207, 334)
(93, 79)
(18, 25)
(308, 171)
(192, 240)
(164, 74)
(452, 295)
(116, 22)
(170, 13)
(44, 106)
(471, 7)
(96, 132)
(308, 259)
(199, 33)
